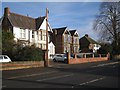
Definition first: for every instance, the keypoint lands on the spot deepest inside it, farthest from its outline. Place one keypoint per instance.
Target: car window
(65, 55)
(59, 55)
(1, 57)
(5, 57)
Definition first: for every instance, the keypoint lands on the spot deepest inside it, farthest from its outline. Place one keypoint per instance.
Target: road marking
(101, 65)
(32, 75)
(95, 80)
(55, 77)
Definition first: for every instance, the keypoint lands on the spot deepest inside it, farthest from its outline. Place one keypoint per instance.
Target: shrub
(29, 53)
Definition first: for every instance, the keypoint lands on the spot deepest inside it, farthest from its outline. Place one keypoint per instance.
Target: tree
(7, 43)
(105, 48)
(107, 23)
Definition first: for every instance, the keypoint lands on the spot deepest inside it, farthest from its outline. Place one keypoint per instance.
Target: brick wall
(21, 65)
(86, 60)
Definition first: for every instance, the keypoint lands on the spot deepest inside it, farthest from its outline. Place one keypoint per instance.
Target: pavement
(59, 75)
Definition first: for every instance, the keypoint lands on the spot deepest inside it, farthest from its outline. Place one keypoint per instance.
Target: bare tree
(107, 23)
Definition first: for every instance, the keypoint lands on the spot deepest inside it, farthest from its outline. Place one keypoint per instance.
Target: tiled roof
(25, 21)
(91, 40)
(60, 31)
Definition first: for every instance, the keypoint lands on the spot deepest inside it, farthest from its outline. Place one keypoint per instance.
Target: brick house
(65, 40)
(87, 44)
(25, 29)
(61, 40)
(74, 47)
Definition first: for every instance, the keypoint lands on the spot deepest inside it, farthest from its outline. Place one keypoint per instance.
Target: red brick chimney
(6, 11)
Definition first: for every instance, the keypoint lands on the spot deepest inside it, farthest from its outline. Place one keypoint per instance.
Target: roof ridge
(40, 17)
(22, 15)
(61, 27)
(88, 38)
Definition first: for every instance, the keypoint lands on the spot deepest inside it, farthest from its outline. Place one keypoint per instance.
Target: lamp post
(46, 62)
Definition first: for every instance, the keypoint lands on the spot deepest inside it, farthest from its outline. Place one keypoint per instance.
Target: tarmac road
(59, 75)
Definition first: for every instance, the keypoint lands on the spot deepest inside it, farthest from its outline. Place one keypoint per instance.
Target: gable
(74, 33)
(51, 44)
(59, 31)
(40, 23)
(84, 42)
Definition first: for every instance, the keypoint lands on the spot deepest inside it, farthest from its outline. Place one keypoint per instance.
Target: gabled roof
(21, 21)
(60, 31)
(25, 22)
(39, 21)
(72, 32)
(90, 40)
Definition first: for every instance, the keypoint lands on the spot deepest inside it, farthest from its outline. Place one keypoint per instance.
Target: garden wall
(85, 59)
(21, 65)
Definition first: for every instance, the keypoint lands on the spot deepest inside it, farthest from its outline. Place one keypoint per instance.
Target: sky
(75, 15)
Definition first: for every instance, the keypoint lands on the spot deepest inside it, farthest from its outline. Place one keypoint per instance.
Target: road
(59, 75)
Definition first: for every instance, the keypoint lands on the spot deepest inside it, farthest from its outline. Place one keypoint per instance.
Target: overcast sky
(74, 15)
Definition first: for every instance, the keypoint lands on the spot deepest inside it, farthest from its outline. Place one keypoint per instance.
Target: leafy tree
(107, 23)
(17, 52)
(7, 43)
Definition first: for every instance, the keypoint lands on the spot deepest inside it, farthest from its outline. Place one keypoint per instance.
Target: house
(61, 39)
(74, 47)
(65, 40)
(51, 46)
(87, 44)
(51, 50)
(26, 30)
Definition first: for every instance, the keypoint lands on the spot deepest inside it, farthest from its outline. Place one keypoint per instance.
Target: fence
(87, 57)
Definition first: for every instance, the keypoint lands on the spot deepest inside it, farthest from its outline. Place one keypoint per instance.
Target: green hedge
(29, 53)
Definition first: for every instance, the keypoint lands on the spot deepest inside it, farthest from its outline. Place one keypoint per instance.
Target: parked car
(60, 57)
(4, 58)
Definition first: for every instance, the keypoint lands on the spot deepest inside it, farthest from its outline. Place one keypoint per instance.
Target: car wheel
(54, 60)
(65, 61)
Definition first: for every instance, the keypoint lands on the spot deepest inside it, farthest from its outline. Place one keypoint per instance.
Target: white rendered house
(25, 29)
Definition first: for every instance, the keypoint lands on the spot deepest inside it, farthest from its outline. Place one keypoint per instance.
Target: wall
(21, 65)
(86, 60)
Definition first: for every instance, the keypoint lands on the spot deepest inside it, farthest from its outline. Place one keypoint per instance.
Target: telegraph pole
(46, 63)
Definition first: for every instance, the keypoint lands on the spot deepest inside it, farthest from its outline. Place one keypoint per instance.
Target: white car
(60, 57)
(4, 58)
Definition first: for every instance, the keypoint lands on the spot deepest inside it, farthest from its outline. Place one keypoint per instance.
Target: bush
(29, 53)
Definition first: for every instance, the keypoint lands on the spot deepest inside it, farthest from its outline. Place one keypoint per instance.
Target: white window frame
(22, 33)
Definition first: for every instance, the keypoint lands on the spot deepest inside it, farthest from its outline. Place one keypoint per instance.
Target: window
(41, 35)
(65, 38)
(44, 35)
(23, 33)
(32, 34)
(1, 57)
(41, 46)
(5, 57)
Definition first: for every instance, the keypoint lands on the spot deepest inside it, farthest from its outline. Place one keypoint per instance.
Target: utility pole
(46, 62)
